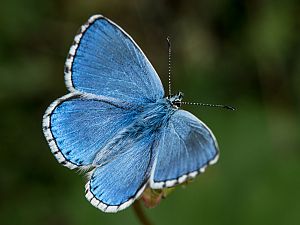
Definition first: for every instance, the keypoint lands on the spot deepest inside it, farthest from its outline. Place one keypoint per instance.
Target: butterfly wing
(115, 185)
(186, 147)
(77, 127)
(104, 60)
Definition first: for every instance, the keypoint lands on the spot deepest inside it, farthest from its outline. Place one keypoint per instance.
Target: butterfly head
(175, 100)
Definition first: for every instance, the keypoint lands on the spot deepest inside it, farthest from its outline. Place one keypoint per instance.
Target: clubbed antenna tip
(229, 107)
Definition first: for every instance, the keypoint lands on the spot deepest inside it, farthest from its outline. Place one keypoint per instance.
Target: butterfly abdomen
(146, 125)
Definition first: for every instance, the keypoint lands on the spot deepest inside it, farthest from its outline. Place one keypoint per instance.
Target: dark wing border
(48, 133)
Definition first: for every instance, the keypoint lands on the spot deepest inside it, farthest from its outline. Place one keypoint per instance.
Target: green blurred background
(241, 53)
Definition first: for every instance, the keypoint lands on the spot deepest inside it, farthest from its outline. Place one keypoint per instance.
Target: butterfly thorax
(155, 114)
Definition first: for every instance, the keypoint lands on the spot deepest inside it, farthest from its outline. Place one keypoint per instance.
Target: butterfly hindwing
(186, 147)
(77, 127)
(104, 60)
(115, 185)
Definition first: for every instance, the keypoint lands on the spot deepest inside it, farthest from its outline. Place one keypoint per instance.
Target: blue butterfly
(116, 122)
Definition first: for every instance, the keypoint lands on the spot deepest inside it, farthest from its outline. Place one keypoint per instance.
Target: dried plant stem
(140, 213)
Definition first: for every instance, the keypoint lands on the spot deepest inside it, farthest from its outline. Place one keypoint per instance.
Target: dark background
(241, 53)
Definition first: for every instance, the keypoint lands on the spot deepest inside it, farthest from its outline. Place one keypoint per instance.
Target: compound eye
(180, 95)
(177, 103)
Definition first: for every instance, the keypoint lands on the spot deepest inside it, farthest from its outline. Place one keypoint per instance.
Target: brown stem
(140, 213)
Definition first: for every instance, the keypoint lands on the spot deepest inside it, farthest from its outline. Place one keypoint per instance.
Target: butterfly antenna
(210, 105)
(169, 61)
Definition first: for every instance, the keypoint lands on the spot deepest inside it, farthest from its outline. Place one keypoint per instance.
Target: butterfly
(116, 122)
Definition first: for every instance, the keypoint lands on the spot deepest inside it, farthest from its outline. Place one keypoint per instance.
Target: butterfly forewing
(105, 61)
(77, 128)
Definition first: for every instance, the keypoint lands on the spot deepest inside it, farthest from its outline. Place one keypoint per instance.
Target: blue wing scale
(105, 61)
(77, 127)
(185, 149)
(116, 184)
